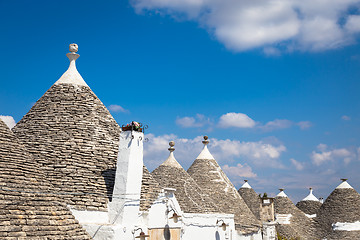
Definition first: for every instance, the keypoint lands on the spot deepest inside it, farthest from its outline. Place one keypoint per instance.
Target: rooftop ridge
(72, 76)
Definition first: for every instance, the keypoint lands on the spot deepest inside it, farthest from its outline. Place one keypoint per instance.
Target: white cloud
(304, 125)
(259, 153)
(346, 118)
(8, 120)
(307, 25)
(117, 108)
(238, 120)
(298, 165)
(188, 122)
(277, 124)
(325, 155)
(239, 171)
(283, 124)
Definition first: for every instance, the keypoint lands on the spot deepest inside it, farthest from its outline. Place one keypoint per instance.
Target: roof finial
(72, 55)
(171, 148)
(343, 179)
(245, 180)
(281, 189)
(206, 141)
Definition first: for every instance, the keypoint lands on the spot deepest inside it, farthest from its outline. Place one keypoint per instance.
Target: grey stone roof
(342, 205)
(213, 181)
(308, 206)
(150, 190)
(300, 226)
(74, 138)
(189, 195)
(29, 209)
(252, 200)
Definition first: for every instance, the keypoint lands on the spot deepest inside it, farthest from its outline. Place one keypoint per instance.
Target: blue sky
(274, 84)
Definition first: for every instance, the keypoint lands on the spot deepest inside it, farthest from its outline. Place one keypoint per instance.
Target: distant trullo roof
(310, 204)
(342, 206)
(213, 181)
(29, 207)
(75, 139)
(189, 195)
(251, 199)
(292, 222)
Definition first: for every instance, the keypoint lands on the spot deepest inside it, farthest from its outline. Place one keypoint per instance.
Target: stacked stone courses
(29, 209)
(300, 226)
(342, 205)
(189, 195)
(150, 190)
(309, 207)
(213, 181)
(75, 139)
(252, 200)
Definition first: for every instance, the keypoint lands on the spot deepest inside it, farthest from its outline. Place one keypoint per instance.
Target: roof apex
(343, 185)
(72, 76)
(246, 185)
(311, 197)
(281, 193)
(171, 161)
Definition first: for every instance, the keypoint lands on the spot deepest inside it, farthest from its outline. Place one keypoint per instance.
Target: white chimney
(125, 204)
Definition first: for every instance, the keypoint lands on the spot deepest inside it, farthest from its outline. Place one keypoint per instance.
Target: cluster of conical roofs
(64, 150)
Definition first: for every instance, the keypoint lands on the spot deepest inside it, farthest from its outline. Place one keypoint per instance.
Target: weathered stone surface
(252, 200)
(75, 139)
(309, 207)
(189, 195)
(150, 190)
(300, 227)
(213, 181)
(342, 205)
(28, 205)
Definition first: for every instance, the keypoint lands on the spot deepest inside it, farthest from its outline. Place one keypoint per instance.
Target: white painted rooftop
(246, 185)
(343, 185)
(281, 194)
(311, 197)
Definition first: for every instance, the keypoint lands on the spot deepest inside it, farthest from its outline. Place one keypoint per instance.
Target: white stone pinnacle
(343, 185)
(205, 153)
(72, 76)
(311, 197)
(246, 185)
(171, 161)
(281, 193)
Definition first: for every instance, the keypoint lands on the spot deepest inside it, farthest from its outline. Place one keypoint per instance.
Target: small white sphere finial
(171, 148)
(73, 47)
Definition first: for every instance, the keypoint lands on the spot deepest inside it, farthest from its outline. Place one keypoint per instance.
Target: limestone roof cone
(214, 182)
(150, 190)
(29, 207)
(251, 198)
(170, 174)
(310, 204)
(342, 206)
(75, 140)
(300, 225)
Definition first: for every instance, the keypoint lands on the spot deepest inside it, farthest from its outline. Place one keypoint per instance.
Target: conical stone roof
(213, 181)
(251, 199)
(150, 190)
(342, 206)
(310, 204)
(74, 138)
(299, 225)
(29, 208)
(189, 195)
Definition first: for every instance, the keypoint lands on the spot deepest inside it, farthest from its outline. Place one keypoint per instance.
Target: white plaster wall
(283, 218)
(344, 226)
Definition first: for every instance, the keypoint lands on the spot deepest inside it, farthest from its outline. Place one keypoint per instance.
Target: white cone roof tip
(171, 161)
(344, 185)
(311, 197)
(72, 76)
(205, 153)
(281, 194)
(246, 185)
